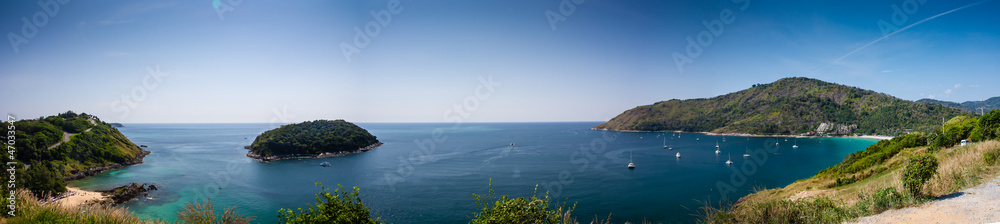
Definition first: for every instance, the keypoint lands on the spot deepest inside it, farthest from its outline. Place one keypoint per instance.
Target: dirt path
(66, 135)
(980, 204)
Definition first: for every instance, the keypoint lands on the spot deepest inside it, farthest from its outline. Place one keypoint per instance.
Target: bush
(920, 168)
(340, 207)
(506, 210)
(205, 214)
(881, 200)
(991, 156)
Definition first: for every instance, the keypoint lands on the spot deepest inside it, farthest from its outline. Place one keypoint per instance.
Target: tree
(988, 126)
(340, 207)
(920, 168)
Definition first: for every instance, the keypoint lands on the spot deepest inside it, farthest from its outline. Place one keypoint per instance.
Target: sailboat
(630, 164)
(730, 161)
(723, 138)
(716, 144)
(664, 143)
(678, 155)
(796, 144)
(747, 154)
(324, 164)
(717, 150)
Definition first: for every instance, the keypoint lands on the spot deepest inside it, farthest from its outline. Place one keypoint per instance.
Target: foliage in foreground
(505, 210)
(205, 214)
(30, 210)
(340, 207)
(918, 170)
(820, 210)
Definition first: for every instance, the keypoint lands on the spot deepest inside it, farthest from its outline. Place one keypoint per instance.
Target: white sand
(79, 197)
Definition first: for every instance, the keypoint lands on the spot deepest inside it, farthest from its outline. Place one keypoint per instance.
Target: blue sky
(263, 61)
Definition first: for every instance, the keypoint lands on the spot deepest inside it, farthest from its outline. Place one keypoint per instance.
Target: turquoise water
(427, 173)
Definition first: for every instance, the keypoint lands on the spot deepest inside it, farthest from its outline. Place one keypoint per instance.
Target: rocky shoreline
(309, 156)
(755, 135)
(97, 170)
(120, 195)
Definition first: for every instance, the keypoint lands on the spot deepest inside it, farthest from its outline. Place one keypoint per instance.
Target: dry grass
(32, 210)
(205, 214)
(962, 167)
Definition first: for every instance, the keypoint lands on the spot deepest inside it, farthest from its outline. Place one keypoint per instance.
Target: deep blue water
(428, 173)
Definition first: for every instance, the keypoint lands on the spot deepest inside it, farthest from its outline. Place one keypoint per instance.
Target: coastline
(876, 137)
(97, 170)
(75, 197)
(310, 156)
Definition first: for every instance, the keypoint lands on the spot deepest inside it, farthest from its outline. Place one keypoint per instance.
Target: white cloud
(930, 96)
(947, 91)
(886, 71)
(958, 86)
(973, 86)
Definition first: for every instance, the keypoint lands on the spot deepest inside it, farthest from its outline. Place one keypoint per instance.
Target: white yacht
(730, 161)
(678, 155)
(630, 164)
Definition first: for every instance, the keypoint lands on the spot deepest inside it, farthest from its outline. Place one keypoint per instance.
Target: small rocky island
(312, 139)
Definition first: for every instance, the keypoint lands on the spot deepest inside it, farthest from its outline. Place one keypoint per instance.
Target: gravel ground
(980, 204)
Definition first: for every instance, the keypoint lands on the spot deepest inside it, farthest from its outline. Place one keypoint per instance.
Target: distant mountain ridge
(971, 106)
(786, 106)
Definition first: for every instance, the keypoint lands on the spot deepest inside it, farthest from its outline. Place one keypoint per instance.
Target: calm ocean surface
(417, 178)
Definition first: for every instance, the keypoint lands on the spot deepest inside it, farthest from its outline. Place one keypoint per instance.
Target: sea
(430, 172)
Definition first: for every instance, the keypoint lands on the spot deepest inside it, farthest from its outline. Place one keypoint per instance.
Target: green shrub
(504, 210)
(881, 200)
(205, 214)
(340, 207)
(991, 156)
(920, 168)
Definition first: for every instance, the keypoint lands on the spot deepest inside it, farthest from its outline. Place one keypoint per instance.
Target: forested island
(310, 139)
(787, 106)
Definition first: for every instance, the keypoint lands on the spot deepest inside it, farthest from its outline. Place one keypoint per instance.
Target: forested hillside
(972, 106)
(786, 106)
(45, 161)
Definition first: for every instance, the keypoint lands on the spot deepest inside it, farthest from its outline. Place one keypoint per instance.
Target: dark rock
(125, 193)
(152, 187)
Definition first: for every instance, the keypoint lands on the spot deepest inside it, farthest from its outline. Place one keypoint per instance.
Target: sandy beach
(78, 197)
(876, 137)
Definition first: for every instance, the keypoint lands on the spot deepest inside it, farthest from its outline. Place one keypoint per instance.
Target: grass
(31, 210)
(960, 167)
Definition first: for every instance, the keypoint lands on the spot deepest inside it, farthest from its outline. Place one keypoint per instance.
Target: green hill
(786, 106)
(68, 146)
(312, 139)
(971, 106)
